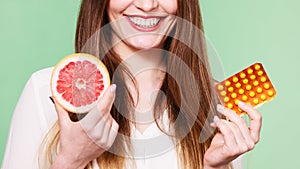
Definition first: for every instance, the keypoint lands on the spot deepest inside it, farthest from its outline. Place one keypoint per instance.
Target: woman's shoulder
(43, 71)
(36, 93)
(42, 76)
(34, 102)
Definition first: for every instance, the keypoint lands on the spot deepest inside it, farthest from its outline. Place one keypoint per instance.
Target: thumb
(102, 108)
(105, 103)
(63, 115)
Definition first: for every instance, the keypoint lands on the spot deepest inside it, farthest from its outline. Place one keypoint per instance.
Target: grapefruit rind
(55, 74)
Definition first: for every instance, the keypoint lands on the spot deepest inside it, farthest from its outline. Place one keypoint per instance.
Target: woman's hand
(85, 140)
(234, 138)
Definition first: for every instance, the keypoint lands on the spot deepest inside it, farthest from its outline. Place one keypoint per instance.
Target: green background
(35, 34)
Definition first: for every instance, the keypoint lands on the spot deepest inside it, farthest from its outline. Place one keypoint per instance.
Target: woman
(107, 136)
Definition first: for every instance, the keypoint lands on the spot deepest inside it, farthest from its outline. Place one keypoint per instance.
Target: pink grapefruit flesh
(78, 82)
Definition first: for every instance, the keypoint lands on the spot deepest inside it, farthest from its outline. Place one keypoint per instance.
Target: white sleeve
(32, 118)
(238, 162)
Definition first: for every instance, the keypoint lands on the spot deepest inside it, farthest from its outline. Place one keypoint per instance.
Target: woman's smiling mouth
(145, 23)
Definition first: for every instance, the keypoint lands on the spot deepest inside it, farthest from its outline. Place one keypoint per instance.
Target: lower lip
(146, 29)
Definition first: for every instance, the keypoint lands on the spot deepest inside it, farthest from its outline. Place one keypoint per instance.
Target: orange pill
(226, 99)
(270, 93)
(233, 95)
(260, 73)
(252, 77)
(263, 79)
(227, 83)
(257, 67)
(241, 91)
(263, 97)
(259, 90)
(252, 94)
(250, 71)
(255, 101)
(248, 87)
(238, 85)
(223, 93)
(256, 83)
(267, 86)
(230, 89)
(236, 102)
(245, 81)
(242, 75)
(235, 79)
(220, 87)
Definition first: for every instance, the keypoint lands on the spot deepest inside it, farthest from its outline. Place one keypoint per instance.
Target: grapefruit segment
(78, 81)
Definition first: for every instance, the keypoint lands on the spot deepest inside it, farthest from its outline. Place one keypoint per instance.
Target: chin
(144, 42)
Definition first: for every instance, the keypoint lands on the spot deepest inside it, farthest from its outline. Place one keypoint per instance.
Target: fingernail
(213, 124)
(240, 103)
(51, 99)
(216, 119)
(220, 108)
(113, 88)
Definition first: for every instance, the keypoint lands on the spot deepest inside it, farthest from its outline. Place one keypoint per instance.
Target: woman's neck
(148, 70)
(147, 66)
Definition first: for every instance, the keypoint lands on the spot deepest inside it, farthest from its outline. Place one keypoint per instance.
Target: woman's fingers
(113, 132)
(229, 138)
(107, 100)
(63, 115)
(103, 128)
(234, 141)
(237, 120)
(256, 120)
(98, 122)
(90, 137)
(104, 133)
(103, 108)
(240, 140)
(234, 137)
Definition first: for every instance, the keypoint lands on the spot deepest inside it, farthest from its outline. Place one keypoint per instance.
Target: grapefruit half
(78, 81)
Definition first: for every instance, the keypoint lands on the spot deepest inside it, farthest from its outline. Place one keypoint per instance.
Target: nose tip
(146, 5)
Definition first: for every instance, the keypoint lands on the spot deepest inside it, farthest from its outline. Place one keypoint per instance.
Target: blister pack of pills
(251, 85)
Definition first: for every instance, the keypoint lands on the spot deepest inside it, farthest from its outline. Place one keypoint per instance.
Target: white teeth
(145, 23)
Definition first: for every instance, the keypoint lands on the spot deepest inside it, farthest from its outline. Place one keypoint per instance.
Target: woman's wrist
(65, 162)
(219, 167)
(207, 165)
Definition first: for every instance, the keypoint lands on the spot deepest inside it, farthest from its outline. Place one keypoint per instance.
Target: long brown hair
(181, 99)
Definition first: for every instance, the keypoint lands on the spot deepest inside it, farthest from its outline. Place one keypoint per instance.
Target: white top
(35, 114)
